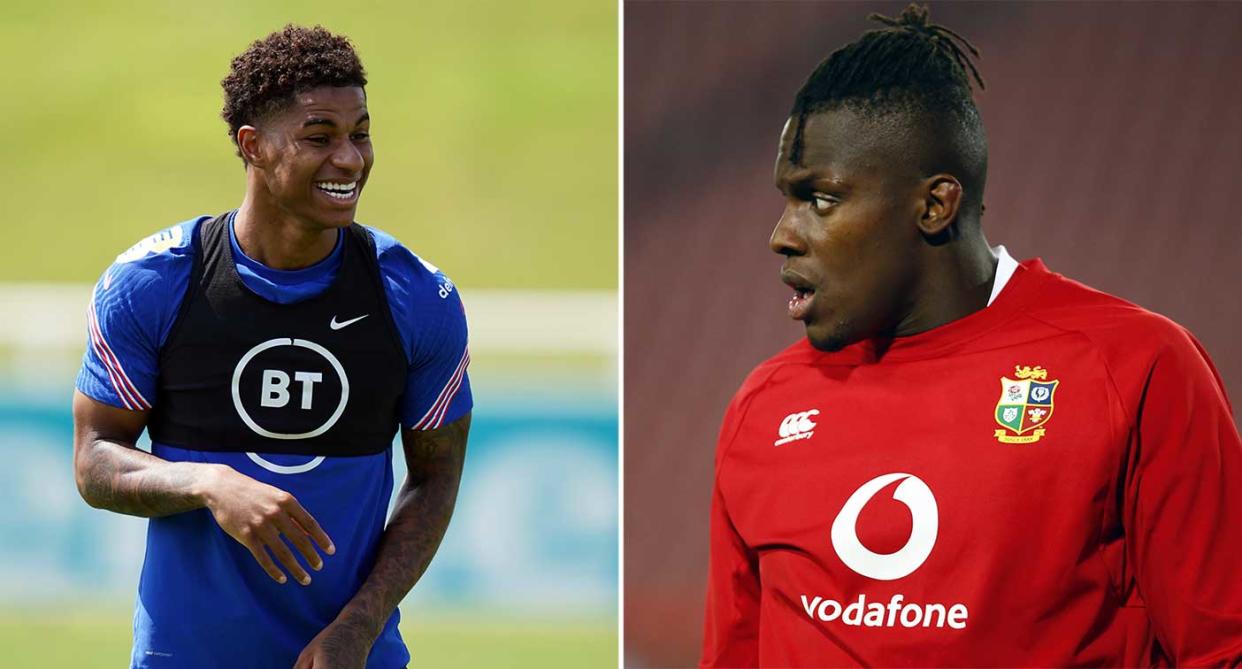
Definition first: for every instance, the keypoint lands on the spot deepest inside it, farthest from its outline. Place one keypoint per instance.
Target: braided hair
(910, 67)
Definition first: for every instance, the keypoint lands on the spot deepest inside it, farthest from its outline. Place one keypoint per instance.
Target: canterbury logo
(796, 426)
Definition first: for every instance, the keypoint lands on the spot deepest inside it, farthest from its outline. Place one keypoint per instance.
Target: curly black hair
(265, 77)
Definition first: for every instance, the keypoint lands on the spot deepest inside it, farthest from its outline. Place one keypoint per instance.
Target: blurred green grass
(495, 127)
(99, 638)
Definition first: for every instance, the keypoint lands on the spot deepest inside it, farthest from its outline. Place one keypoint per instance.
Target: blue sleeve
(432, 323)
(131, 310)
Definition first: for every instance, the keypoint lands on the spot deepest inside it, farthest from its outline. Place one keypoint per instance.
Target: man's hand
(338, 646)
(262, 518)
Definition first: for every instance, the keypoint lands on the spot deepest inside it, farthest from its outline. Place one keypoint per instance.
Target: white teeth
(338, 191)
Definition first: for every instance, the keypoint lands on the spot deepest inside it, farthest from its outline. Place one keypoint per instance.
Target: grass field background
(494, 124)
(98, 638)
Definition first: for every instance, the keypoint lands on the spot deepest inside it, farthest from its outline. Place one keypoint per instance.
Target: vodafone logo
(912, 492)
(898, 611)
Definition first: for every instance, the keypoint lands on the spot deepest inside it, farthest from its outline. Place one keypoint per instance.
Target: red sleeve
(731, 628)
(1183, 508)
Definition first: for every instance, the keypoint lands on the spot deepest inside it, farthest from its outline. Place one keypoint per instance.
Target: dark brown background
(1116, 155)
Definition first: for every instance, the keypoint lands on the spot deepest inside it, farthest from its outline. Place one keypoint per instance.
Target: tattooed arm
(115, 476)
(425, 503)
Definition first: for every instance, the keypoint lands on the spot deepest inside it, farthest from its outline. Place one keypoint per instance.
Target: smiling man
(272, 353)
(969, 460)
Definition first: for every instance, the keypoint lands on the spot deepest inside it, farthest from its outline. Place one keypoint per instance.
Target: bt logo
(276, 387)
(286, 394)
(275, 393)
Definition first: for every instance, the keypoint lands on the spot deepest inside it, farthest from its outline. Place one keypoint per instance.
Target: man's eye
(822, 203)
(319, 140)
(361, 136)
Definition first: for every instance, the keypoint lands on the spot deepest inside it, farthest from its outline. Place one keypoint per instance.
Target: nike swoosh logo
(337, 326)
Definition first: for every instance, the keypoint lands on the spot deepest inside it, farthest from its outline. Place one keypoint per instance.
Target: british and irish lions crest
(1025, 405)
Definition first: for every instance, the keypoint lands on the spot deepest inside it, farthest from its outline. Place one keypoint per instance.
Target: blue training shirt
(203, 601)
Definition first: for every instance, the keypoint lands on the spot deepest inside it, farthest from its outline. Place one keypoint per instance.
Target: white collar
(1005, 267)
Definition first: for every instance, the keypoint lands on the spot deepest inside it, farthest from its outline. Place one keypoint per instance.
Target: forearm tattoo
(126, 480)
(424, 507)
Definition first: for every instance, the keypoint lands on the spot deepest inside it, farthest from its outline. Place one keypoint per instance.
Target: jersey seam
(932, 355)
(728, 445)
(410, 350)
(394, 332)
(1108, 372)
(195, 276)
(1116, 586)
(745, 409)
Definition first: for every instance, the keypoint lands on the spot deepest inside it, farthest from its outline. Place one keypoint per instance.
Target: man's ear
(250, 147)
(943, 198)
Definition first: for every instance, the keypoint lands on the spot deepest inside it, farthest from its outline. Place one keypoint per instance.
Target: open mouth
(342, 191)
(803, 295)
(800, 304)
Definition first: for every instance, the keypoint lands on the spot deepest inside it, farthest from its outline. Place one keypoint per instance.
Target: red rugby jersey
(1054, 480)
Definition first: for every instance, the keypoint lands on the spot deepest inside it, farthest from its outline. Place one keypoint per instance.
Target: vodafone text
(862, 613)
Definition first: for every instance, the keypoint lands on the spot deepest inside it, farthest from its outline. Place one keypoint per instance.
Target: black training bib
(323, 376)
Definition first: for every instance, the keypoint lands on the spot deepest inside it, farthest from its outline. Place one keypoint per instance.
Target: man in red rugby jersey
(968, 460)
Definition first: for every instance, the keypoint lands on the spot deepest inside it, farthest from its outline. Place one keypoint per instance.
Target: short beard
(833, 341)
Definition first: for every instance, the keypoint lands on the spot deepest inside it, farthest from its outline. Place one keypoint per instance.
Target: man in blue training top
(272, 352)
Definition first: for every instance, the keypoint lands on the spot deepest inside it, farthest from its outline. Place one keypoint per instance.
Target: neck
(956, 281)
(276, 238)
